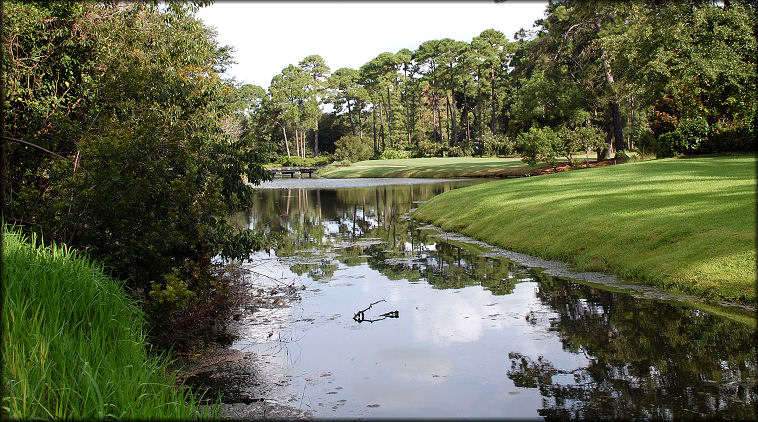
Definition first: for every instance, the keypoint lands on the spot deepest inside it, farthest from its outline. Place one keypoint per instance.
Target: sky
(268, 36)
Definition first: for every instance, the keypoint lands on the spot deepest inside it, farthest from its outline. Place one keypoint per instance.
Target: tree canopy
(663, 78)
(117, 138)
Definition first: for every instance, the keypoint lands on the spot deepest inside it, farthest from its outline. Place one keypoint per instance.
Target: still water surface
(474, 335)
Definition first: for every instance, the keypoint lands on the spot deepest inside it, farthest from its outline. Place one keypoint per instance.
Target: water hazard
(384, 317)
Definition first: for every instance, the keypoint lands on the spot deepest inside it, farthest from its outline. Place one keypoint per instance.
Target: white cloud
(269, 36)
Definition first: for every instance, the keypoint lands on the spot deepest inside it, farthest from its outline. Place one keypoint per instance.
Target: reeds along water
(74, 343)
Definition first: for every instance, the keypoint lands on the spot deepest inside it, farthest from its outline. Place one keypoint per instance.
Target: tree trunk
(606, 151)
(376, 147)
(389, 117)
(350, 115)
(434, 120)
(447, 120)
(479, 105)
(631, 119)
(286, 143)
(618, 134)
(492, 99)
(360, 124)
(297, 142)
(315, 140)
(381, 125)
(454, 138)
(302, 143)
(465, 110)
(407, 110)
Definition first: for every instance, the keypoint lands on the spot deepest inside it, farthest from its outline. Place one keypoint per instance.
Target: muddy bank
(239, 377)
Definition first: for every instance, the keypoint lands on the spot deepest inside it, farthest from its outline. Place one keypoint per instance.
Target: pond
(392, 318)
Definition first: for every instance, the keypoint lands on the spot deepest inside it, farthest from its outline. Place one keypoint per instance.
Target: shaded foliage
(130, 95)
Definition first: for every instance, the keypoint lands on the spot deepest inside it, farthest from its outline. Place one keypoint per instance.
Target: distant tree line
(661, 77)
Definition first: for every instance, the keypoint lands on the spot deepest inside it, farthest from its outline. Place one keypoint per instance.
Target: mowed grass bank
(430, 168)
(685, 225)
(74, 345)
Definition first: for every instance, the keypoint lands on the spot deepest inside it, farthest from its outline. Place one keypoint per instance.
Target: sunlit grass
(681, 224)
(430, 167)
(74, 345)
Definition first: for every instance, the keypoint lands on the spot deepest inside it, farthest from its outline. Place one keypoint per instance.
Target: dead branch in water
(361, 317)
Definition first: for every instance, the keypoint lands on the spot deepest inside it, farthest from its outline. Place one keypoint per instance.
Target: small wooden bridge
(292, 171)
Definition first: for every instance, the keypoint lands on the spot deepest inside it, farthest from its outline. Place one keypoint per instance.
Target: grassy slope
(73, 344)
(686, 224)
(430, 167)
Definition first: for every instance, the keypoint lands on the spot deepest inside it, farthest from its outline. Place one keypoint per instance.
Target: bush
(646, 143)
(352, 148)
(497, 145)
(539, 144)
(547, 145)
(394, 154)
(184, 315)
(686, 139)
(695, 136)
(578, 140)
(427, 148)
(295, 161)
(731, 136)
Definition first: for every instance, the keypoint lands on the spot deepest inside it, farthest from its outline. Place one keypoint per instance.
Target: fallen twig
(361, 317)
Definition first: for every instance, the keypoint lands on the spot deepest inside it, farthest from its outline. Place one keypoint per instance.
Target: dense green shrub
(731, 136)
(546, 145)
(352, 148)
(695, 136)
(685, 139)
(294, 161)
(539, 144)
(428, 148)
(459, 151)
(497, 145)
(394, 154)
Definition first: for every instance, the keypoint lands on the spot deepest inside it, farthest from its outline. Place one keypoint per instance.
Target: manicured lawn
(430, 167)
(74, 345)
(686, 225)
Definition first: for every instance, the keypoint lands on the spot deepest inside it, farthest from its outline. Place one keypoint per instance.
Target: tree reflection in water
(645, 358)
(648, 359)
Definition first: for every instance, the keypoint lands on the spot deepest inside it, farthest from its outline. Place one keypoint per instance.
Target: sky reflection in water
(476, 336)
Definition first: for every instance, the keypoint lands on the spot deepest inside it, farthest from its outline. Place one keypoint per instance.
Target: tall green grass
(686, 225)
(74, 344)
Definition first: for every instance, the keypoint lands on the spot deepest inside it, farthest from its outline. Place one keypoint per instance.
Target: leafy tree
(545, 144)
(488, 47)
(344, 88)
(694, 63)
(130, 96)
(577, 140)
(317, 71)
(428, 56)
(539, 144)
